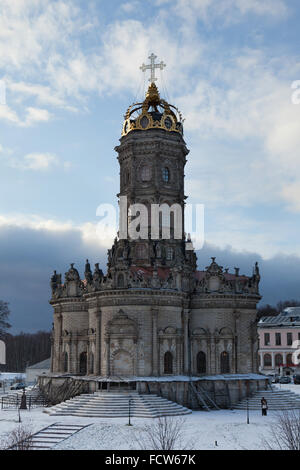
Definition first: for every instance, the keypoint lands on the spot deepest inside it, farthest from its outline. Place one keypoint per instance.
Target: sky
(69, 69)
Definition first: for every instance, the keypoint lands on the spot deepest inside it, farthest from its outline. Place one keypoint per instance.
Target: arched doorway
(83, 363)
(91, 371)
(267, 360)
(201, 362)
(66, 362)
(225, 367)
(168, 363)
(122, 363)
(278, 360)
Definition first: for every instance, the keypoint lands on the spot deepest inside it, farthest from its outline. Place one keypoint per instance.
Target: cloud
(33, 161)
(36, 162)
(89, 233)
(228, 11)
(32, 116)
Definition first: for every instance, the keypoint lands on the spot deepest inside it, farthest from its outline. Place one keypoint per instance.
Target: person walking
(264, 406)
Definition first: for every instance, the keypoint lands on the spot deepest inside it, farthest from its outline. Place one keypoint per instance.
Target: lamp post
(247, 410)
(129, 412)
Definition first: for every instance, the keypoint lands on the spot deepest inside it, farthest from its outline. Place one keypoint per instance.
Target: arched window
(289, 360)
(83, 363)
(278, 360)
(120, 281)
(91, 363)
(145, 173)
(66, 361)
(166, 174)
(140, 252)
(225, 368)
(201, 362)
(168, 363)
(170, 253)
(267, 360)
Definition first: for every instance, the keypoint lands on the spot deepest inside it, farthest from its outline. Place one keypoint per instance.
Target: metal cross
(152, 67)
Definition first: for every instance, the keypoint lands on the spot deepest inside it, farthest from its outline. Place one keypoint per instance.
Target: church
(154, 315)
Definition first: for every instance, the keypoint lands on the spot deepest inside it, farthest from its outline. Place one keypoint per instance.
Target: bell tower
(152, 157)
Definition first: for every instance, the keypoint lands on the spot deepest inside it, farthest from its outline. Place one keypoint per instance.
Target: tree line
(26, 349)
(272, 310)
(23, 349)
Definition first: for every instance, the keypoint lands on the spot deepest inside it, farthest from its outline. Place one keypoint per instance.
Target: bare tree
(164, 433)
(4, 314)
(25, 349)
(285, 432)
(19, 439)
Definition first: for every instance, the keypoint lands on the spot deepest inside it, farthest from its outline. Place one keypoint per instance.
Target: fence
(14, 401)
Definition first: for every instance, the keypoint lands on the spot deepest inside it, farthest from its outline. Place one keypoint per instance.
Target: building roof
(284, 320)
(46, 364)
(291, 311)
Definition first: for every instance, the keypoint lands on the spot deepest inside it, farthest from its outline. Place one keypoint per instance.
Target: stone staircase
(277, 400)
(116, 405)
(54, 434)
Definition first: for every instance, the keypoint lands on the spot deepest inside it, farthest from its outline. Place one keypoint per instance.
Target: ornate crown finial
(153, 112)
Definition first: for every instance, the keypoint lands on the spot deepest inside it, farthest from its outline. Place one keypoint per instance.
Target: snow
(291, 387)
(10, 376)
(173, 378)
(201, 429)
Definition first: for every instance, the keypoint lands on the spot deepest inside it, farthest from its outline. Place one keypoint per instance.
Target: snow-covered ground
(201, 430)
(292, 387)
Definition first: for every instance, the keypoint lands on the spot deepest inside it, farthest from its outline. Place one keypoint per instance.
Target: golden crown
(152, 113)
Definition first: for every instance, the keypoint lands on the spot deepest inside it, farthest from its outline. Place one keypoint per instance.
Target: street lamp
(247, 410)
(129, 412)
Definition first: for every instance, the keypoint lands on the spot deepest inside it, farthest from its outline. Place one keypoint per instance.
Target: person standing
(264, 406)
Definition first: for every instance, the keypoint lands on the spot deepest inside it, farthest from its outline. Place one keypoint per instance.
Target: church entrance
(122, 364)
(83, 363)
(225, 367)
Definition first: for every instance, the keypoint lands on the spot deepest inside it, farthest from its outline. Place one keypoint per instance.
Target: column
(97, 366)
(154, 342)
(57, 350)
(186, 341)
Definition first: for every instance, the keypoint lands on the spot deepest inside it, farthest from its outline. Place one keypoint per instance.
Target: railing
(14, 401)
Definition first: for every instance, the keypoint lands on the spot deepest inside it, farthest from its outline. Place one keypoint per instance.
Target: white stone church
(153, 314)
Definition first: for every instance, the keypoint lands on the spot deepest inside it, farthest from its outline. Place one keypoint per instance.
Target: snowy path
(201, 430)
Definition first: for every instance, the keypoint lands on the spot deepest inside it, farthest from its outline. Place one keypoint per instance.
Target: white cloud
(32, 116)
(35, 115)
(7, 114)
(239, 98)
(227, 10)
(34, 161)
(44, 94)
(291, 194)
(251, 104)
(88, 231)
